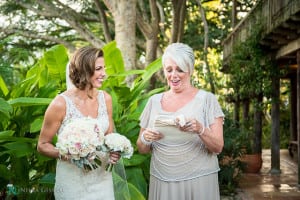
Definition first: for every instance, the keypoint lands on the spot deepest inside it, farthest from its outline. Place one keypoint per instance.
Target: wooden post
(275, 117)
(293, 116)
(298, 112)
(293, 105)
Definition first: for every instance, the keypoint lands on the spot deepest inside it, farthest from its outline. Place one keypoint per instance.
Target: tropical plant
(128, 103)
(22, 108)
(229, 158)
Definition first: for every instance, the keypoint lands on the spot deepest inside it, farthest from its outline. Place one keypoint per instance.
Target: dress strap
(102, 109)
(101, 100)
(71, 110)
(68, 102)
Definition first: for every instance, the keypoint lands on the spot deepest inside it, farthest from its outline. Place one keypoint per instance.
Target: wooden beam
(291, 25)
(280, 39)
(295, 18)
(287, 49)
(287, 33)
(269, 44)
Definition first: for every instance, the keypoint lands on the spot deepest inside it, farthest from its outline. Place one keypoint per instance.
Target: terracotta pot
(253, 163)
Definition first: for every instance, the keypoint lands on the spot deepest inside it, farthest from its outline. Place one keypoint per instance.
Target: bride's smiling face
(177, 79)
(99, 74)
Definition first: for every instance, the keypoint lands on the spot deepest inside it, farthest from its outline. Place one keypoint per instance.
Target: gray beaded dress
(70, 181)
(181, 167)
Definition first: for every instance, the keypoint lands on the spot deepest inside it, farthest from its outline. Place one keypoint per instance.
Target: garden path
(264, 186)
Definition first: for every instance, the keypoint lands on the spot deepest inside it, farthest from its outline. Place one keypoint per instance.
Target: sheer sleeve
(145, 116)
(213, 109)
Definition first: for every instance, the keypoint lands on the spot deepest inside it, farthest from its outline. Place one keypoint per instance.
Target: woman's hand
(211, 136)
(114, 156)
(151, 135)
(65, 157)
(192, 126)
(146, 137)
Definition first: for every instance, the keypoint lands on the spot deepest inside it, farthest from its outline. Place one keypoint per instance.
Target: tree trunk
(237, 111)
(233, 14)
(178, 20)
(246, 105)
(104, 22)
(205, 48)
(124, 13)
(246, 117)
(149, 30)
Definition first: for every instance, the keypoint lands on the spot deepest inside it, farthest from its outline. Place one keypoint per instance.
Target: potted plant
(250, 158)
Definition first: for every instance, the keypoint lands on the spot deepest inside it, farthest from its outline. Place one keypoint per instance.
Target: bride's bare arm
(52, 121)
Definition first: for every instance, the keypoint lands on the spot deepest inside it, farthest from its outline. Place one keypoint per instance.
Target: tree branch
(74, 20)
(34, 35)
(205, 48)
(103, 21)
(162, 20)
(178, 19)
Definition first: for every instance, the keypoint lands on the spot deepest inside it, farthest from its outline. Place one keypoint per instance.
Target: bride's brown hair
(82, 66)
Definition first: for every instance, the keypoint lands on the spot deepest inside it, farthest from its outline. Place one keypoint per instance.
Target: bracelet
(202, 131)
(144, 141)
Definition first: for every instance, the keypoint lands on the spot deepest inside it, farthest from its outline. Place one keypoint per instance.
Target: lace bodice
(73, 112)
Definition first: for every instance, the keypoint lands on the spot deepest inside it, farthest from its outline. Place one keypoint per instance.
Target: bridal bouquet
(80, 140)
(115, 142)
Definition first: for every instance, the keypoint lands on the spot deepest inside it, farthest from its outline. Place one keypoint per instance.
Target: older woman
(183, 129)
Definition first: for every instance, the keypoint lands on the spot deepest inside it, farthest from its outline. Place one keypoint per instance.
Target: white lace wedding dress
(70, 181)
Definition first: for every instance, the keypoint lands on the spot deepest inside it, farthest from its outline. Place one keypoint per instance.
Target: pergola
(281, 40)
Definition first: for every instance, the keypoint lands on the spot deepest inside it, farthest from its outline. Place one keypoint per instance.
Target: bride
(86, 73)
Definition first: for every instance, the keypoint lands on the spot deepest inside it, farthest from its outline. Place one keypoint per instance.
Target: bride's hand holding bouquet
(85, 145)
(117, 144)
(80, 141)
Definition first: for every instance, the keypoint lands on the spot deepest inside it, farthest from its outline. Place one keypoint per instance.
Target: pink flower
(77, 145)
(80, 140)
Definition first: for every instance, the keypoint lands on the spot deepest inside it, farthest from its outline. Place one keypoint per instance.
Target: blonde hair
(182, 55)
